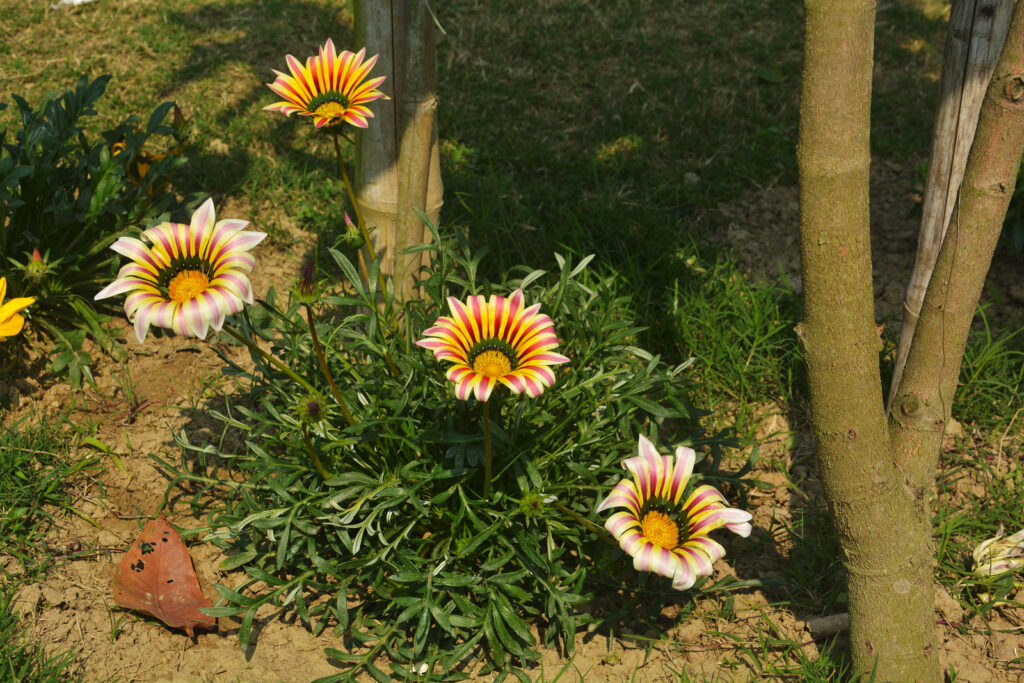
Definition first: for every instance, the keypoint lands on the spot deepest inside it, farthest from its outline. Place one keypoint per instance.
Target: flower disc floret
(187, 278)
(332, 88)
(661, 531)
(11, 320)
(492, 342)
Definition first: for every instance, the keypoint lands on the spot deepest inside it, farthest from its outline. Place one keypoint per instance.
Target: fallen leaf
(156, 577)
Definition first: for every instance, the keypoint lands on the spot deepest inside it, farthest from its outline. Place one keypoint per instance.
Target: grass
(26, 662)
(991, 390)
(35, 476)
(620, 142)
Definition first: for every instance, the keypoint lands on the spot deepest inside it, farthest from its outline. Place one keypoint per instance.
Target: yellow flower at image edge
(331, 87)
(495, 342)
(11, 320)
(188, 277)
(661, 532)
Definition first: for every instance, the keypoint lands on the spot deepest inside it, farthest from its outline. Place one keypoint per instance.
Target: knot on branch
(914, 412)
(910, 406)
(1015, 88)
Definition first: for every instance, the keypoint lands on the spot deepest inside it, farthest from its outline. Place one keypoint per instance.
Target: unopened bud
(309, 410)
(353, 237)
(308, 290)
(36, 267)
(307, 285)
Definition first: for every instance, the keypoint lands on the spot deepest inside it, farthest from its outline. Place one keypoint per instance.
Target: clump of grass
(34, 477)
(964, 521)
(814, 573)
(23, 661)
(992, 376)
(741, 334)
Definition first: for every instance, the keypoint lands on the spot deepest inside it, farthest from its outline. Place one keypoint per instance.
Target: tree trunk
(397, 160)
(879, 476)
(977, 31)
(886, 548)
(925, 395)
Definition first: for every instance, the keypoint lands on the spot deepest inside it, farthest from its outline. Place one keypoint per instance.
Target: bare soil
(177, 380)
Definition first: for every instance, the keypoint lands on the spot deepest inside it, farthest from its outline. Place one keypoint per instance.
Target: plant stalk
(601, 532)
(487, 448)
(280, 366)
(359, 221)
(326, 370)
(312, 454)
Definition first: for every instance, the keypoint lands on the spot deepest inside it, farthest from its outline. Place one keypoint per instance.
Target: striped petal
(495, 325)
(211, 258)
(331, 87)
(670, 542)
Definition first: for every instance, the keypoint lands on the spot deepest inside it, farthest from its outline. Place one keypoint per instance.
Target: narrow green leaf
(419, 638)
(245, 630)
(235, 561)
(339, 656)
(509, 616)
(232, 596)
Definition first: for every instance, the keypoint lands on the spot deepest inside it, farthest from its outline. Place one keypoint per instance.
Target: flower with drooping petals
(661, 532)
(495, 342)
(11, 320)
(188, 277)
(331, 87)
(999, 554)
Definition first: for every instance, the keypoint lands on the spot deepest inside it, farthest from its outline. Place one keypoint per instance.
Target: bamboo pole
(398, 165)
(418, 164)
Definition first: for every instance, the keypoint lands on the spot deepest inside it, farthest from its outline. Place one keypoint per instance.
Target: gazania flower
(11, 320)
(1000, 554)
(331, 88)
(663, 533)
(189, 277)
(495, 342)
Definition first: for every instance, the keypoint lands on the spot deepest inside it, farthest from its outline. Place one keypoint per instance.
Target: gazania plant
(187, 278)
(425, 478)
(388, 508)
(496, 342)
(661, 530)
(333, 89)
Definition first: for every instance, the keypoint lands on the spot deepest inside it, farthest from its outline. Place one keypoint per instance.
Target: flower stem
(601, 532)
(487, 449)
(282, 367)
(366, 239)
(326, 370)
(312, 454)
(359, 221)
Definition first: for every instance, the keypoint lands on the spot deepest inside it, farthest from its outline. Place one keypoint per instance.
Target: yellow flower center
(186, 285)
(330, 109)
(492, 363)
(660, 530)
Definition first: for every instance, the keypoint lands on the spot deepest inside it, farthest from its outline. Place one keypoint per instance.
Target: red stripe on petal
(484, 388)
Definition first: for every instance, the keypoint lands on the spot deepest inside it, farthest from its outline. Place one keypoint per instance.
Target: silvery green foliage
(396, 552)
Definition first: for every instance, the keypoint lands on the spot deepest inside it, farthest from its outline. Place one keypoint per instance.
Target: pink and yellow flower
(495, 342)
(332, 88)
(188, 277)
(661, 532)
(11, 320)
